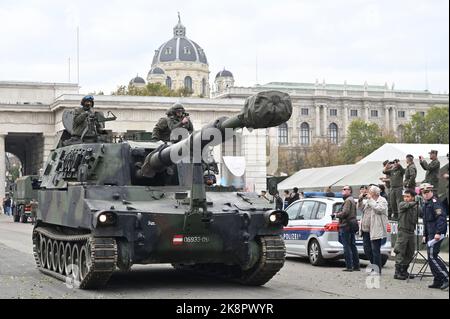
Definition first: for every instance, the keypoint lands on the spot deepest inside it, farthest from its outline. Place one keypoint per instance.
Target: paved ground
(297, 279)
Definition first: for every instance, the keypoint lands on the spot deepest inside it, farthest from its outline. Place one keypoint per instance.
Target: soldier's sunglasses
(425, 191)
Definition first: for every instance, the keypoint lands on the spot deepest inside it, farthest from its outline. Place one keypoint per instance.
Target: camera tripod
(417, 256)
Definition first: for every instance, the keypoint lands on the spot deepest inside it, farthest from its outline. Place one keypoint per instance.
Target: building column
(49, 140)
(394, 119)
(2, 166)
(317, 121)
(325, 120)
(345, 115)
(366, 113)
(254, 151)
(386, 118)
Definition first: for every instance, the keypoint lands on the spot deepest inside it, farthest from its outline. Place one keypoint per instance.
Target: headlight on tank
(277, 217)
(103, 218)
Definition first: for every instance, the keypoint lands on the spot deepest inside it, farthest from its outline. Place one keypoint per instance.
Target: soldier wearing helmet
(176, 118)
(87, 124)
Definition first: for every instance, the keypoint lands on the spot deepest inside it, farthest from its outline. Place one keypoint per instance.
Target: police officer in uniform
(176, 118)
(432, 168)
(395, 172)
(435, 228)
(406, 239)
(410, 173)
(87, 124)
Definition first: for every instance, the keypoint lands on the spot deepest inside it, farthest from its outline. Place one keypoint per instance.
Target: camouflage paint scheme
(148, 217)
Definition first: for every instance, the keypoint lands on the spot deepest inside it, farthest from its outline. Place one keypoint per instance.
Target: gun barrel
(263, 110)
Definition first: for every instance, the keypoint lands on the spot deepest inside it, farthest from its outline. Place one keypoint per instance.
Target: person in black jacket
(435, 228)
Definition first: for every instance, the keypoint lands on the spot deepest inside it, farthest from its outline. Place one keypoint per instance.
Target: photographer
(406, 239)
(395, 172)
(176, 118)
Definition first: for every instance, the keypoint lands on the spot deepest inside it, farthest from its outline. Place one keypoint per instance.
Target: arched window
(304, 134)
(203, 87)
(283, 134)
(333, 133)
(169, 82)
(188, 83)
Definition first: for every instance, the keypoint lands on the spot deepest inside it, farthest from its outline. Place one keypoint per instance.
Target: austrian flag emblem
(177, 240)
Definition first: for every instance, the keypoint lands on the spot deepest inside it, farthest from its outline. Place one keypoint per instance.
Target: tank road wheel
(68, 259)
(43, 251)
(75, 262)
(272, 253)
(61, 260)
(55, 256)
(85, 262)
(49, 253)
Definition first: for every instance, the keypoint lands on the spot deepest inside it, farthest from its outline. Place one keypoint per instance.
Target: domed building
(137, 82)
(181, 63)
(224, 79)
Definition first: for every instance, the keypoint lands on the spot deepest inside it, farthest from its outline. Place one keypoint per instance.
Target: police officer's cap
(426, 186)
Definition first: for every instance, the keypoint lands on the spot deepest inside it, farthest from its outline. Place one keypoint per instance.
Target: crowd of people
(397, 199)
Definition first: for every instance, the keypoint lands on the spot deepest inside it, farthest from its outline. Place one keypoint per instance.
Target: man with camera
(176, 118)
(395, 171)
(406, 244)
(435, 228)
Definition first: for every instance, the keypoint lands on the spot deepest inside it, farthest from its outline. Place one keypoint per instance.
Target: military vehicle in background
(108, 205)
(25, 189)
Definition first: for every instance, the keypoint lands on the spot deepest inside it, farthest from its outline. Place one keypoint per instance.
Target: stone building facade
(31, 115)
(324, 111)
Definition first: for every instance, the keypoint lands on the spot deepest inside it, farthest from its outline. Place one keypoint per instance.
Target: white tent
(316, 179)
(390, 151)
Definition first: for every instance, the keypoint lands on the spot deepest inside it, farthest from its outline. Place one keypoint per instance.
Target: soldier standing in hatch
(406, 239)
(410, 173)
(395, 173)
(432, 168)
(176, 118)
(81, 117)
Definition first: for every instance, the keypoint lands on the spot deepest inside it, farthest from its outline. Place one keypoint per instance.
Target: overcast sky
(378, 41)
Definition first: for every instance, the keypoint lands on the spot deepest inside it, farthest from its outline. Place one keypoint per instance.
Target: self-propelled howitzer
(108, 205)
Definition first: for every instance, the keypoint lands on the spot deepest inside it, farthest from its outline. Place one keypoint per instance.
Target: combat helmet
(87, 98)
(175, 108)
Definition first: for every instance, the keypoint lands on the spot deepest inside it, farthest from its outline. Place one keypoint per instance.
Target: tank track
(273, 253)
(57, 254)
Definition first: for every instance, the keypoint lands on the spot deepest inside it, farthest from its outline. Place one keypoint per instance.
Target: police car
(312, 231)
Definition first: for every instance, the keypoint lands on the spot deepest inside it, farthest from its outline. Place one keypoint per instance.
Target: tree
(151, 89)
(362, 139)
(429, 129)
(323, 153)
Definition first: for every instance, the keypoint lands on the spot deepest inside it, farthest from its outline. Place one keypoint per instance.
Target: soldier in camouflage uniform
(432, 168)
(395, 173)
(87, 124)
(176, 118)
(406, 239)
(410, 173)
